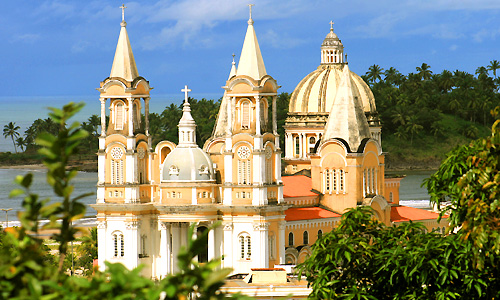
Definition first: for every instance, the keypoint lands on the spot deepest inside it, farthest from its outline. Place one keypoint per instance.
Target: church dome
(316, 92)
(188, 164)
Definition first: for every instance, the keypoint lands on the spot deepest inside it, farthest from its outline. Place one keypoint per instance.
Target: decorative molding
(101, 224)
(133, 225)
(162, 225)
(261, 226)
(228, 226)
(282, 225)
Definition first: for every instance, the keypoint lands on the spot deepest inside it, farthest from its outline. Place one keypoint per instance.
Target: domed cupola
(187, 162)
(332, 50)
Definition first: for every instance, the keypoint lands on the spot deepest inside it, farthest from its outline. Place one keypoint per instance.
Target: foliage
(87, 251)
(11, 130)
(363, 259)
(27, 271)
(467, 185)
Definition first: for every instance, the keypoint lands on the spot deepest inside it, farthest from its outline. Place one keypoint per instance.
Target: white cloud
(453, 47)
(280, 41)
(28, 38)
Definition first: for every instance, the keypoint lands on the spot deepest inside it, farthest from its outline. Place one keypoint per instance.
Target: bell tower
(125, 143)
(245, 147)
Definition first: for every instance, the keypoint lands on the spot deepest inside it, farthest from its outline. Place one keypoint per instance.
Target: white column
(211, 244)
(146, 116)
(260, 245)
(101, 244)
(275, 124)
(165, 260)
(176, 245)
(228, 245)
(229, 115)
(257, 115)
(132, 244)
(130, 116)
(281, 244)
(103, 116)
(305, 145)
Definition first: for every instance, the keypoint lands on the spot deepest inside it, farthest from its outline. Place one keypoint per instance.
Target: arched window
(341, 180)
(390, 197)
(290, 239)
(320, 234)
(334, 180)
(245, 246)
(305, 238)
(327, 181)
(119, 114)
(119, 244)
(245, 115)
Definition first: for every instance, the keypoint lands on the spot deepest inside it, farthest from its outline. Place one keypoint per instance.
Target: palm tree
(494, 66)
(11, 130)
(481, 71)
(413, 127)
(374, 73)
(393, 76)
(22, 143)
(424, 71)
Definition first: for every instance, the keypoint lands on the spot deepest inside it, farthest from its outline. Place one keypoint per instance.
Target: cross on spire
(186, 91)
(233, 57)
(331, 25)
(250, 8)
(123, 11)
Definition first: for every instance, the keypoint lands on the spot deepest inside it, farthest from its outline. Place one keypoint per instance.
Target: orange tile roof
(297, 186)
(406, 213)
(307, 213)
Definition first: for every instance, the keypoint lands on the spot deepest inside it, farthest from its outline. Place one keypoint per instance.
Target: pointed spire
(233, 69)
(251, 62)
(187, 125)
(124, 62)
(347, 119)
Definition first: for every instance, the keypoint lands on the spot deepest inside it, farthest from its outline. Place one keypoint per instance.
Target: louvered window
(245, 115)
(119, 112)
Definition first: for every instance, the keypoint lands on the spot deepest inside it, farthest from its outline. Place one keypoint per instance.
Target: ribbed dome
(316, 92)
(188, 164)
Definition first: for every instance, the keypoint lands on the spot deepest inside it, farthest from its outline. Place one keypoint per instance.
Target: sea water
(411, 193)
(25, 110)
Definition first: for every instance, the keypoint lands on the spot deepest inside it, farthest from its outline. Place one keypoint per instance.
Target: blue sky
(66, 47)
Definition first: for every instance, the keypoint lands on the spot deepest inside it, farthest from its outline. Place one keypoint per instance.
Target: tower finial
(186, 91)
(123, 12)
(331, 25)
(250, 20)
(233, 58)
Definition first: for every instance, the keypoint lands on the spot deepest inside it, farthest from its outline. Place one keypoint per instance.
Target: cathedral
(147, 198)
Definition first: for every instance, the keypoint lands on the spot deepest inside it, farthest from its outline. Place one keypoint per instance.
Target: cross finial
(250, 8)
(233, 57)
(186, 91)
(123, 11)
(331, 25)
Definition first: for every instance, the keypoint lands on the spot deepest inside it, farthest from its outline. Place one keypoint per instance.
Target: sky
(66, 47)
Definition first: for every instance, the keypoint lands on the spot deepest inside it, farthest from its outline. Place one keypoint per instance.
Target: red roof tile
(405, 213)
(307, 213)
(297, 186)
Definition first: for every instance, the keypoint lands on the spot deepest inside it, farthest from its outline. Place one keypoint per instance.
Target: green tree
(21, 143)
(494, 66)
(11, 130)
(424, 71)
(374, 73)
(87, 251)
(481, 71)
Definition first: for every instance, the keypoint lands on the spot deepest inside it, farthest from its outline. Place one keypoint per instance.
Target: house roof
(306, 213)
(406, 213)
(297, 186)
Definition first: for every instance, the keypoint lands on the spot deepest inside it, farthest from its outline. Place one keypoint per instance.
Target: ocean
(24, 110)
